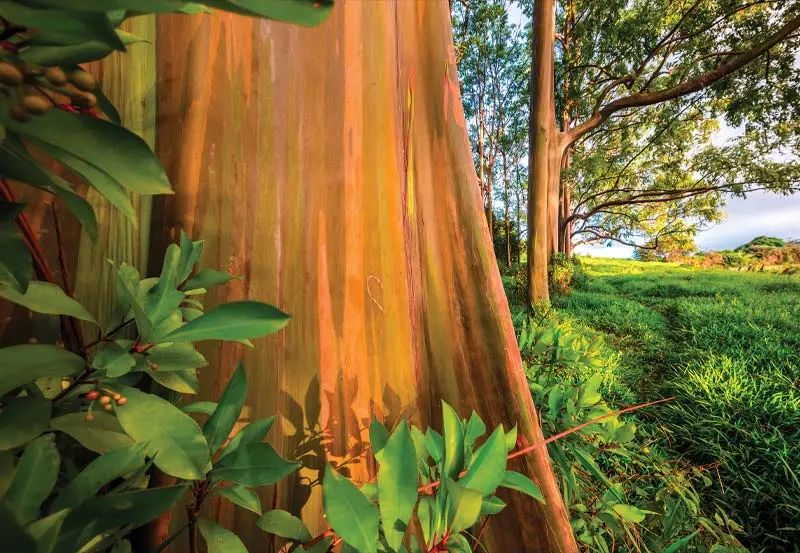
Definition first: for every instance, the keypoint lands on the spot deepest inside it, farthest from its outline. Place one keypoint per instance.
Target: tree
(668, 248)
(717, 54)
(331, 169)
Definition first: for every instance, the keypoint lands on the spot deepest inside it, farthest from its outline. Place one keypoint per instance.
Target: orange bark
(330, 168)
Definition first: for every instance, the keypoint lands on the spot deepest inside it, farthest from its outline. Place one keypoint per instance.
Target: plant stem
(163, 545)
(109, 335)
(76, 327)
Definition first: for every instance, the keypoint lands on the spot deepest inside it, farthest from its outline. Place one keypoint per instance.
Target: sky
(761, 213)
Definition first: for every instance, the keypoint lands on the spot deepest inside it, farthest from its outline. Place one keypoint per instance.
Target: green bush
(564, 273)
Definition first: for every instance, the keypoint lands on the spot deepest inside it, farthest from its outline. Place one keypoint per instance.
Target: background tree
(626, 59)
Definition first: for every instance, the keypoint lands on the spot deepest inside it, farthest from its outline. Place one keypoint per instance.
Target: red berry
(105, 400)
(122, 401)
(91, 396)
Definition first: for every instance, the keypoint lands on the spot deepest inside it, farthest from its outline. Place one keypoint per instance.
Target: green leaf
(62, 27)
(185, 382)
(492, 505)
(300, 12)
(163, 298)
(350, 513)
(175, 357)
(453, 443)
(201, 407)
(434, 443)
(44, 297)
(15, 264)
(114, 359)
(12, 536)
(475, 429)
(127, 287)
(28, 362)
(285, 525)
(488, 468)
(511, 439)
(100, 434)
(678, 545)
(45, 530)
(34, 479)
(252, 433)
(122, 547)
(207, 278)
(426, 512)
(457, 543)
(232, 321)
(630, 513)
(130, 508)
(397, 484)
(6, 471)
(521, 483)
(98, 473)
(110, 149)
(419, 445)
(378, 435)
(220, 540)
(23, 420)
(219, 425)
(463, 506)
(190, 255)
(173, 438)
(243, 497)
(254, 464)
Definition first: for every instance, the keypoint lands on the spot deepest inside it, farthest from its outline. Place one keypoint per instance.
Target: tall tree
(642, 55)
(331, 169)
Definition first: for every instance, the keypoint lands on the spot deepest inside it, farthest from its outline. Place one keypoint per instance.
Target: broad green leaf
(15, 264)
(370, 489)
(100, 434)
(426, 511)
(122, 547)
(105, 185)
(300, 12)
(232, 321)
(219, 539)
(590, 391)
(44, 297)
(113, 150)
(434, 443)
(511, 439)
(285, 525)
(98, 473)
(463, 506)
(201, 407)
(457, 543)
(207, 278)
(397, 484)
(34, 479)
(475, 429)
(378, 435)
(28, 362)
(185, 382)
(243, 497)
(22, 420)
(630, 513)
(252, 433)
(173, 438)
(127, 287)
(163, 298)
(219, 425)
(175, 357)
(62, 27)
(492, 505)
(350, 513)
(12, 536)
(453, 443)
(45, 530)
(130, 508)
(521, 483)
(6, 471)
(419, 445)
(114, 359)
(254, 464)
(190, 254)
(488, 468)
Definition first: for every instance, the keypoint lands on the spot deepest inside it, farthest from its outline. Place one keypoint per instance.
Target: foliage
(769, 241)
(666, 248)
(444, 484)
(623, 492)
(726, 345)
(564, 273)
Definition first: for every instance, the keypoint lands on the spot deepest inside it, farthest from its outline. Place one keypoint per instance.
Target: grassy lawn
(726, 344)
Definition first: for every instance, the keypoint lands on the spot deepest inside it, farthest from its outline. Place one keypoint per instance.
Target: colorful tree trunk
(330, 168)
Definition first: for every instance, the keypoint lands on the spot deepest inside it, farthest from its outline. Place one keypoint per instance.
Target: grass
(726, 344)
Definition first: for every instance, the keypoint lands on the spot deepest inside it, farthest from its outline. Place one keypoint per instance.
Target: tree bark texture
(331, 169)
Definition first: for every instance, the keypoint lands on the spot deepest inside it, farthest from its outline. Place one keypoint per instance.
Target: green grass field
(726, 344)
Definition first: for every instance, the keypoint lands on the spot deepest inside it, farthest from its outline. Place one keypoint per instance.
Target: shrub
(564, 273)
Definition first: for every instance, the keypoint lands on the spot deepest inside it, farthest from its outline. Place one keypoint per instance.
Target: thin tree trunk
(553, 197)
(348, 200)
(489, 206)
(542, 125)
(507, 201)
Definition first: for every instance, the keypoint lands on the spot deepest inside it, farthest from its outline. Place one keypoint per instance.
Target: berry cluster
(104, 398)
(34, 89)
